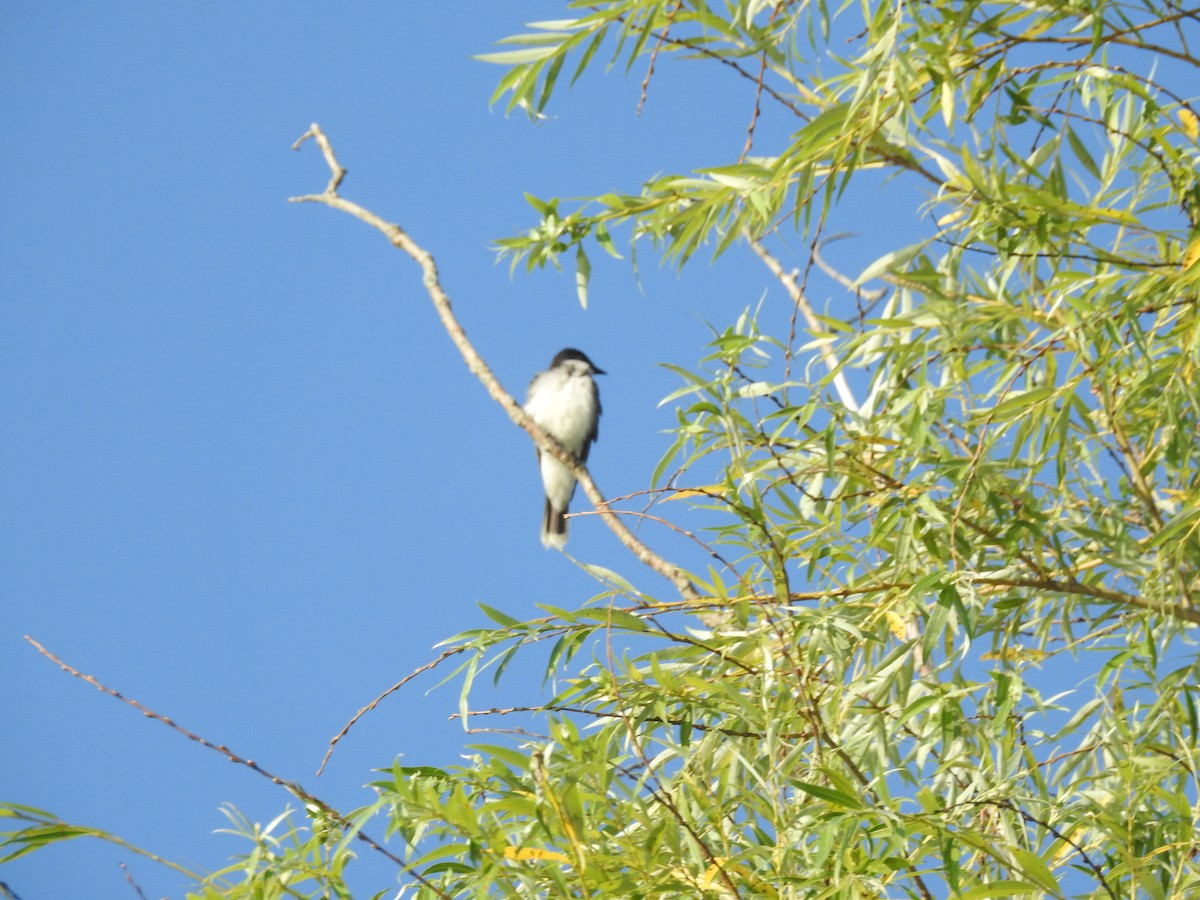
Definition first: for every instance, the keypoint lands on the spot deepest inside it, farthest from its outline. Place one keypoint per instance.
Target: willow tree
(945, 645)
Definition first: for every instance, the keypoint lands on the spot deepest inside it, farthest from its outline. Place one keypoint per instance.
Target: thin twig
(659, 720)
(654, 56)
(441, 301)
(762, 71)
(666, 523)
(133, 884)
(871, 296)
(758, 88)
(702, 50)
(374, 703)
(1050, 585)
(788, 280)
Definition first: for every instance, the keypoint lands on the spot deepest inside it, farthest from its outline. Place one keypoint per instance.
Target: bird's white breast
(564, 404)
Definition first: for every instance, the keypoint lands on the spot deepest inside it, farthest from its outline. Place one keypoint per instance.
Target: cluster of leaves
(946, 646)
(1012, 494)
(283, 860)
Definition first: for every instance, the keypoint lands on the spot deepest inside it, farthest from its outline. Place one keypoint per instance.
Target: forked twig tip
(335, 168)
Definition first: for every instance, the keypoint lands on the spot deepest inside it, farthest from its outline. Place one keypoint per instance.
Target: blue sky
(246, 478)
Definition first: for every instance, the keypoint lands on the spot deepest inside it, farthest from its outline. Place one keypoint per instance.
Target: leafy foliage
(925, 510)
(994, 477)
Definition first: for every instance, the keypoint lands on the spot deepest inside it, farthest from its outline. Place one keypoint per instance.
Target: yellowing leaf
(948, 104)
(953, 216)
(713, 879)
(523, 854)
(1016, 654)
(896, 625)
(712, 873)
(707, 491)
(1040, 27)
(1068, 846)
(1191, 125)
(1191, 254)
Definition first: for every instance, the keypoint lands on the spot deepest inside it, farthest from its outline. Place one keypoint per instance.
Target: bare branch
(788, 280)
(844, 280)
(1073, 587)
(602, 714)
(338, 173)
(399, 238)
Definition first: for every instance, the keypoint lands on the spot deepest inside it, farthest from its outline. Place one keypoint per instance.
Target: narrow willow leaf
(583, 275)
(1191, 254)
(1033, 867)
(517, 57)
(1190, 123)
(893, 261)
(1000, 889)
(605, 241)
(1082, 154)
(947, 101)
(837, 798)
(564, 25)
(1020, 403)
(525, 854)
(496, 616)
(618, 617)
(608, 576)
(589, 51)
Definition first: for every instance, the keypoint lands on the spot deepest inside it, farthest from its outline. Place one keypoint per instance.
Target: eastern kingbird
(564, 401)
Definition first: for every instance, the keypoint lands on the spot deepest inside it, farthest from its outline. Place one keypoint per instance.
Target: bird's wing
(594, 435)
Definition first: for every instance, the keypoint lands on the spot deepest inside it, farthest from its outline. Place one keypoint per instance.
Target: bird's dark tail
(554, 526)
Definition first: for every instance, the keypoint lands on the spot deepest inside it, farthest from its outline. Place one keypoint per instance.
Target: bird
(565, 402)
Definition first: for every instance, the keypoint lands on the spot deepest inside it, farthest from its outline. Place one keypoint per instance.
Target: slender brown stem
(432, 664)
(788, 280)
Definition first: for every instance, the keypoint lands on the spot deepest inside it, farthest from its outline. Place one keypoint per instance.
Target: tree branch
(1050, 585)
(788, 280)
(441, 301)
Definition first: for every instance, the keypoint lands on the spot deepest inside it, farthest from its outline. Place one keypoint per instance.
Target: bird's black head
(579, 356)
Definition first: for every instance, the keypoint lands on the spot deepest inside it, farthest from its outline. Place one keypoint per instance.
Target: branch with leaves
(315, 806)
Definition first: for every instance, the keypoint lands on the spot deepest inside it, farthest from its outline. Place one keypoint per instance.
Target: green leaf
(609, 577)
(1020, 403)
(615, 617)
(1082, 154)
(895, 261)
(583, 274)
(498, 617)
(1033, 867)
(605, 241)
(917, 707)
(518, 57)
(1000, 889)
(837, 798)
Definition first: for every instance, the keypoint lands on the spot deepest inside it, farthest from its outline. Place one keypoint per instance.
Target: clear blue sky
(246, 477)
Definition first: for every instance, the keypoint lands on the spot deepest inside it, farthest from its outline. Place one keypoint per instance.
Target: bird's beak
(596, 371)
